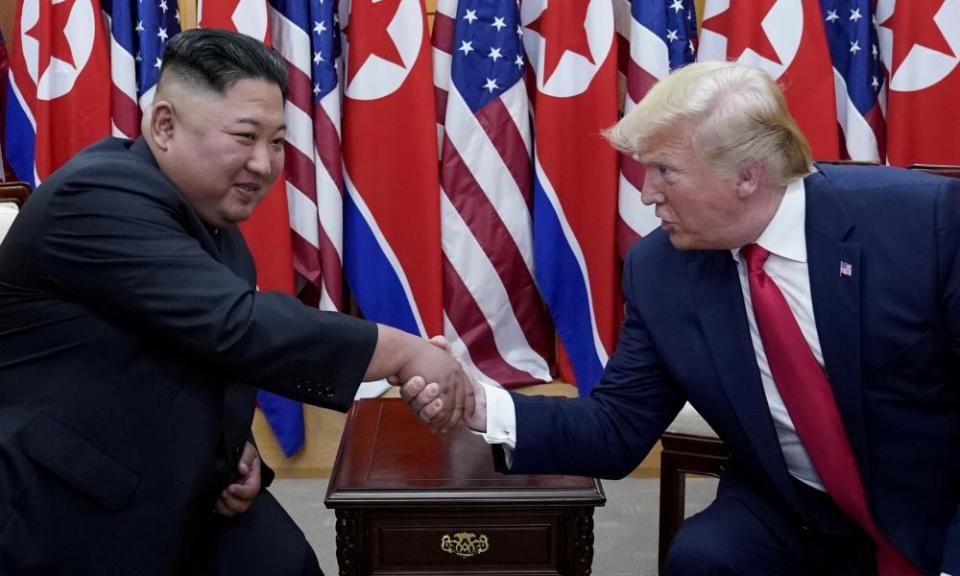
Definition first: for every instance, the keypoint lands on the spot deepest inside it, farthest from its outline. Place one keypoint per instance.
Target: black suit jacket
(890, 335)
(131, 337)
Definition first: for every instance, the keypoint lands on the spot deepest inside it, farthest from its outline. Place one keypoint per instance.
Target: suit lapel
(834, 267)
(719, 303)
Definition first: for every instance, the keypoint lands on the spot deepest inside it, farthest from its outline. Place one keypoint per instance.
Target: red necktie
(809, 400)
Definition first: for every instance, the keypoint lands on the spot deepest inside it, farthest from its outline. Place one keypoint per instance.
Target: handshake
(442, 405)
(432, 380)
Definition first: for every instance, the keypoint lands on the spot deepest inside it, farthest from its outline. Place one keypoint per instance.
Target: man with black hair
(132, 339)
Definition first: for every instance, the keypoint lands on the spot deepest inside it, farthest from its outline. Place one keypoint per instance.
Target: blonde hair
(738, 116)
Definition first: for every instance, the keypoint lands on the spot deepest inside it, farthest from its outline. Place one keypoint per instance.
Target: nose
(650, 193)
(260, 159)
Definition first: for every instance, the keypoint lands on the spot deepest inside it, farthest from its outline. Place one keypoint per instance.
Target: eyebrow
(257, 123)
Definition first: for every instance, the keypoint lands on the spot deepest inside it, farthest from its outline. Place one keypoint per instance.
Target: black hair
(215, 59)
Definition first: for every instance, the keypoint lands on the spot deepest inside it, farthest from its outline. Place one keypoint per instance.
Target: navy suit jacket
(130, 338)
(889, 333)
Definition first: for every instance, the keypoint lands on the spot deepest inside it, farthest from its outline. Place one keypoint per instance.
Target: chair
(690, 446)
(941, 169)
(12, 197)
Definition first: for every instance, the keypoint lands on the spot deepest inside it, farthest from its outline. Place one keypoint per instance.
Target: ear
(750, 180)
(161, 121)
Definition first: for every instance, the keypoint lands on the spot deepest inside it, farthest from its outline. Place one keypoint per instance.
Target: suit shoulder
(873, 180)
(114, 160)
(111, 167)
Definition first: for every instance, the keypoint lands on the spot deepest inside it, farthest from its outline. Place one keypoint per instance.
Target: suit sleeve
(125, 252)
(948, 242)
(610, 432)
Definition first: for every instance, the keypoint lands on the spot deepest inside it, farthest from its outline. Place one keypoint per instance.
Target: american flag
(660, 36)
(494, 317)
(857, 74)
(138, 33)
(306, 32)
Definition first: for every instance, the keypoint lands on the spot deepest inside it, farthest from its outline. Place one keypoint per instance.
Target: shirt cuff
(501, 418)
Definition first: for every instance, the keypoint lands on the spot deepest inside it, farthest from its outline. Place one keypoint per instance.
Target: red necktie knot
(756, 256)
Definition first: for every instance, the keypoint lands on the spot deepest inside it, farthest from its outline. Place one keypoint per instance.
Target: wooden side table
(411, 502)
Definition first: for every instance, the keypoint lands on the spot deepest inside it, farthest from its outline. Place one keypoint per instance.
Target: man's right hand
(424, 400)
(451, 390)
(399, 356)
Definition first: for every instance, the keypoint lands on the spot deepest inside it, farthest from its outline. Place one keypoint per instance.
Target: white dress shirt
(785, 239)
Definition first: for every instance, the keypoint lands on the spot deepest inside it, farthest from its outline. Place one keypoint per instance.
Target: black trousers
(262, 540)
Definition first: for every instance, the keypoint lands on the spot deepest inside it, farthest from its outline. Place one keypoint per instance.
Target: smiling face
(222, 152)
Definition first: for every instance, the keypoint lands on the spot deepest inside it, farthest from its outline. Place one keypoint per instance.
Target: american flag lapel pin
(846, 269)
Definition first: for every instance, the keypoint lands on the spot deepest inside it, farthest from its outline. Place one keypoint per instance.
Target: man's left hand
(237, 497)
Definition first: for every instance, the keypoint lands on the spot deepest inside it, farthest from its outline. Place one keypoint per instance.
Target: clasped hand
(426, 398)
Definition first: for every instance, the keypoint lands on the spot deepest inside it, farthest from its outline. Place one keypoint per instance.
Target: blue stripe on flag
(564, 288)
(373, 281)
(286, 419)
(20, 138)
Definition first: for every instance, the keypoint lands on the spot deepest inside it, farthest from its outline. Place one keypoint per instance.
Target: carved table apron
(411, 502)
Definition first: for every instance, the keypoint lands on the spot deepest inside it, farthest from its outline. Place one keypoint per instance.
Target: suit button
(236, 450)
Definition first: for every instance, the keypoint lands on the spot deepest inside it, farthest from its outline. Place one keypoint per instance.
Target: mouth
(248, 190)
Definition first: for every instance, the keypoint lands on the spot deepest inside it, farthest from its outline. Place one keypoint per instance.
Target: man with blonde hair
(810, 313)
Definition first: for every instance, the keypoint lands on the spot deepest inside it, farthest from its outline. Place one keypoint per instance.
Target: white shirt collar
(785, 235)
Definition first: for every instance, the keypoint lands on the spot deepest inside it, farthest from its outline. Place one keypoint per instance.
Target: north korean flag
(58, 99)
(572, 52)
(920, 47)
(392, 257)
(785, 38)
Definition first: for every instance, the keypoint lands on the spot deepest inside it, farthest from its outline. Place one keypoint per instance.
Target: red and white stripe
(643, 61)
(493, 314)
(124, 108)
(313, 168)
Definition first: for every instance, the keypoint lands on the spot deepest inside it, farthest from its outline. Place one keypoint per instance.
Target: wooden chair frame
(683, 454)
(15, 191)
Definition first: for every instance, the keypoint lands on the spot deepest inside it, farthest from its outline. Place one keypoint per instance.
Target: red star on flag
(222, 16)
(49, 32)
(564, 30)
(915, 25)
(740, 23)
(368, 34)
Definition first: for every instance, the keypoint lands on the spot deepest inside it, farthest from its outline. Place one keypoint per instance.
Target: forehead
(254, 90)
(248, 99)
(669, 145)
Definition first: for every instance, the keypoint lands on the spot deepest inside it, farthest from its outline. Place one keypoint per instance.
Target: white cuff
(501, 418)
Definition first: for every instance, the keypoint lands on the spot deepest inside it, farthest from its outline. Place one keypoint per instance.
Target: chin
(681, 243)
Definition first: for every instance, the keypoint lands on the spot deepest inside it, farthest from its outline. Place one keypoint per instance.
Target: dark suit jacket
(889, 334)
(130, 338)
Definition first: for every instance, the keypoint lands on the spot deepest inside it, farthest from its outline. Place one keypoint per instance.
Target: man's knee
(262, 540)
(698, 548)
(311, 565)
